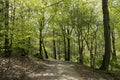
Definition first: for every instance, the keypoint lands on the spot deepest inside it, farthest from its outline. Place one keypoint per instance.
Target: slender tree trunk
(64, 42)
(42, 20)
(95, 48)
(91, 59)
(80, 46)
(13, 23)
(7, 54)
(106, 57)
(95, 52)
(68, 40)
(68, 59)
(40, 44)
(91, 53)
(65, 51)
(74, 48)
(1, 15)
(54, 45)
(81, 55)
(1, 21)
(46, 55)
(89, 43)
(90, 48)
(114, 57)
(59, 56)
(54, 49)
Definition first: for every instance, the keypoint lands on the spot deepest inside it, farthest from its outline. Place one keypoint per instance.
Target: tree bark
(80, 46)
(54, 45)
(54, 49)
(13, 23)
(59, 56)
(1, 21)
(7, 54)
(68, 40)
(68, 58)
(42, 24)
(40, 44)
(106, 57)
(46, 55)
(65, 51)
(114, 57)
(64, 42)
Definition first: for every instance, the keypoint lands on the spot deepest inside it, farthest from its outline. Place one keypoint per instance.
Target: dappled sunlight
(59, 70)
(50, 70)
(46, 64)
(56, 71)
(66, 77)
(40, 74)
(59, 39)
(44, 76)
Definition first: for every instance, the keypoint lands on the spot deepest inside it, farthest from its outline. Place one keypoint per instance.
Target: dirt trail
(61, 70)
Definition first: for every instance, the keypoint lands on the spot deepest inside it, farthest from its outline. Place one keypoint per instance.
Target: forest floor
(35, 69)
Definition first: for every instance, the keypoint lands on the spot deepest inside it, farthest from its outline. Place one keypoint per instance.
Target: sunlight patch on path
(66, 77)
(39, 74)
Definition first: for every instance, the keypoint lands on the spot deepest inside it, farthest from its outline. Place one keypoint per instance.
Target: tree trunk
(91, 59)
(80, 50)
(54, 49)
(46, 55)
(68, 58)
(64, 41)
(1, 21)
(114, 57)
(90, 48)
(54, 45)
(7, 54)
(59, 56)
(106, 57)
(40, 44)
(95, 52)
(65, 51)
(68, 40)
(13, 23)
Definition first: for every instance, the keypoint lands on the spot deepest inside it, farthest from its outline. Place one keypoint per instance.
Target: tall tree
(114, 57)
(13, 24)
(68, 44)
(1, 23)
(6, 23)
(40, 36)
(54, 45)
(45, 51)
(106, 57)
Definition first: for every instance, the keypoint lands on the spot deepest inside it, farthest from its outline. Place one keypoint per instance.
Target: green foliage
(60, 20)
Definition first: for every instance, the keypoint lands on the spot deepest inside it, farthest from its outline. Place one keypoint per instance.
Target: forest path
(62, 70)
